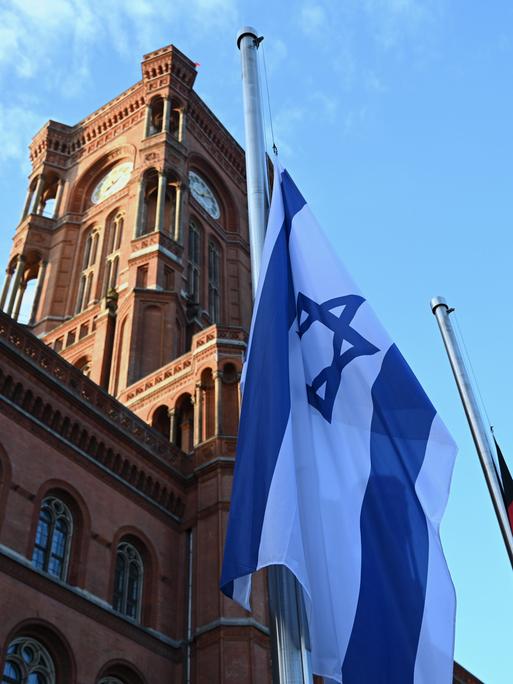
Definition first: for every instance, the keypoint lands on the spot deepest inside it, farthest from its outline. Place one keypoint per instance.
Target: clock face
(113, 181)
(204, 195)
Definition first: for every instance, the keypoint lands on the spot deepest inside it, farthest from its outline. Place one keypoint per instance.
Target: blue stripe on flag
(395, 544)
(264, 417)
(293, 200)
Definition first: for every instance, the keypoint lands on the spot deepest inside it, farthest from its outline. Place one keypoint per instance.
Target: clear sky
(395, 119)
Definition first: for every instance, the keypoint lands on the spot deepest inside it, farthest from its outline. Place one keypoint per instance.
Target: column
(177, 228)
(37, 194)
(198, 414)
(181, 125)
(218, 378)
(5, 289)
(166, 114)
(39, 289)
(58, 198)
(147, 121)
(26, 206)
(17, 277)
(161, 201)
(21, 291)
(139, 212)
(172, 425)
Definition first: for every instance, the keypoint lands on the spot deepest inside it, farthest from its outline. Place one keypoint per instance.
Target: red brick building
(120, 398)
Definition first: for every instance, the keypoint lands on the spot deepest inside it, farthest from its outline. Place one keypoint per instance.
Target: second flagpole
(479, 433)
(290, 660)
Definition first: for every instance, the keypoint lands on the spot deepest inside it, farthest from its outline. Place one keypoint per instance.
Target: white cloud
(395, 21)
(325, 106)
(286, 123)
(312, 18)
(276, 52)
(54, 40)
(17, 126)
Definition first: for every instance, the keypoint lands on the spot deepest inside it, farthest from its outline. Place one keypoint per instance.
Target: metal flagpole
(290, 660)
(477, 426)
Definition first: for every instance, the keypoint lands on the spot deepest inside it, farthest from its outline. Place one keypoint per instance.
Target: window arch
(128, 581)
(194, 262)
(85, 286)
(119, 672)
(84, 365)
(53, 538)
(28, 662)
(114, 238)
(214, 281)
(161, 420)
(156, 116)
(184, 422)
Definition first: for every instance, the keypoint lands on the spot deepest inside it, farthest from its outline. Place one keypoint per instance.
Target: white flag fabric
(343, 468)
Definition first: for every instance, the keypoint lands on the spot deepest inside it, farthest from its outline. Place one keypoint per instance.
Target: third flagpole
(477, 427)
(290, 659)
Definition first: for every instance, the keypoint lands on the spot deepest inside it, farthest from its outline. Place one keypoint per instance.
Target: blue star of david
(340, 326)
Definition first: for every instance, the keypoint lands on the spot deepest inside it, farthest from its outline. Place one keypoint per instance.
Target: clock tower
(134, 234)
(131, 262)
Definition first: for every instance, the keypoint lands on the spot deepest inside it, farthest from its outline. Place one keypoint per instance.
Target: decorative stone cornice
(61, 146)
(64, 419)
(203, 343)
(64, 145)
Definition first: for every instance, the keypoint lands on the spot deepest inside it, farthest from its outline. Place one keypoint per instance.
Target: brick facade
(120, 395)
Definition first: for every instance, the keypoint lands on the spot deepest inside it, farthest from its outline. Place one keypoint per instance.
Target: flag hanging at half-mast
(506, 483)
(343, 467)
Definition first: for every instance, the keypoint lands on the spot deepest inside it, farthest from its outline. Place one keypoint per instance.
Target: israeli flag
(343, 468)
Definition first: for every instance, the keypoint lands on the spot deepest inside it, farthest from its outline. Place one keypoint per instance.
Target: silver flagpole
(477, 426)
(290, 660)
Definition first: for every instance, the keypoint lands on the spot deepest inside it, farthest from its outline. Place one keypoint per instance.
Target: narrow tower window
(193, 267)
(85, 288)
(114, 238)
(214, 262)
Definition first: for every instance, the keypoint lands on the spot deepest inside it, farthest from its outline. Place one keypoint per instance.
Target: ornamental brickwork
(126, 311)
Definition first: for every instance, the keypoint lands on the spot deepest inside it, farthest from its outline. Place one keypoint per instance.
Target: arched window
(194, 261)
(207, 394)
(156, 117)
(53, 538)
(161, 421)
(214, 281)
(86, 277)
(184, 422)
(128, 581)
(115, 234)
(84, 365)
(28, 662)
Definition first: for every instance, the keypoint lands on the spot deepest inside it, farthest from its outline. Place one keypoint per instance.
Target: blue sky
(394, 118)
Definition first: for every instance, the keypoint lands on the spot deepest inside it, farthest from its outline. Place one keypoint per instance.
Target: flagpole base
(289, 629)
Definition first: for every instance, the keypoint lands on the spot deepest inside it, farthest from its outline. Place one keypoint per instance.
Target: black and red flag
(507, 484)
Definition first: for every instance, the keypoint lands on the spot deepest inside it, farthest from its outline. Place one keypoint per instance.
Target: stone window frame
(133, 558)
(58, 510)
(194, 256)
(90, 252)
(26, 656)
(214, 281)
(115, 227)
